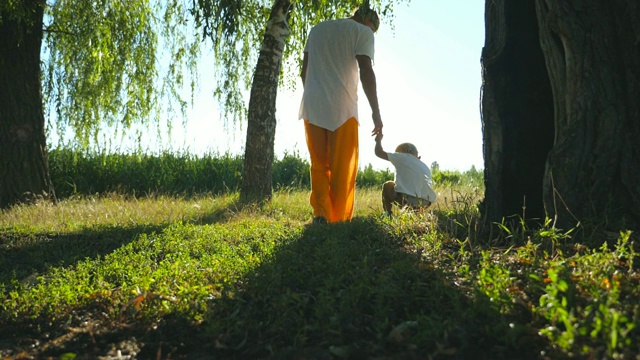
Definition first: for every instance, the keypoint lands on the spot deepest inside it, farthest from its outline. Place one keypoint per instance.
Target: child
(412, 185)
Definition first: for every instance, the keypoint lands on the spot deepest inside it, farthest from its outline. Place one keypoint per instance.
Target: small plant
(584, 302)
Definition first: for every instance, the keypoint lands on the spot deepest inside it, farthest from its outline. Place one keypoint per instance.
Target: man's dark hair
(365, 12)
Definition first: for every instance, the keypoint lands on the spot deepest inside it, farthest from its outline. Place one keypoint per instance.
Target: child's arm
(379, 150)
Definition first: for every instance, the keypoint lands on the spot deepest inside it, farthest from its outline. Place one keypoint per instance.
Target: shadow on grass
(25, 256)
(89, 331)
(221, 214)
(338, 291)
(350, 291)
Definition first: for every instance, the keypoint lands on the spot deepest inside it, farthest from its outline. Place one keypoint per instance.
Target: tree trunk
(592, 50)
(561, 113)
(261, 127)
(24, 172)
(517, 112)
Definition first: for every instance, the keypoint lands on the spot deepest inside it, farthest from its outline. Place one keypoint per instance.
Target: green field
(169, 270)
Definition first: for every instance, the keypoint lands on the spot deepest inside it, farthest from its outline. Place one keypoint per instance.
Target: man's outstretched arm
(368, 79)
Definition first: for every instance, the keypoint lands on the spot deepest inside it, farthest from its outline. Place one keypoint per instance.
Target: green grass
(199, 277)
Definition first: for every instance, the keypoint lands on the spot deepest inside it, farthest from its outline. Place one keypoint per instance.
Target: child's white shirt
(412, 177)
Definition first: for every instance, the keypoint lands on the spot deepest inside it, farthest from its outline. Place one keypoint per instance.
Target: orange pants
(334, 166)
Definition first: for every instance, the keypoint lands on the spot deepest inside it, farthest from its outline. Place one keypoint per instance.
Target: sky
(427, 65)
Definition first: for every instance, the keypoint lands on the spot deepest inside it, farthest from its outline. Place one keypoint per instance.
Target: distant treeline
(75, 172)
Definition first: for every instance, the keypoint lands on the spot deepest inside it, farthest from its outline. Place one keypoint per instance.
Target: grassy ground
(119, 277)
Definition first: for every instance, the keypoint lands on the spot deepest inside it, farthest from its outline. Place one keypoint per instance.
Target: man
(338, 55)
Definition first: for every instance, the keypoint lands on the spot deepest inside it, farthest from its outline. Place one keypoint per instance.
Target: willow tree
(274, 33)
(23, 155)
(100, 68)
(561, 112)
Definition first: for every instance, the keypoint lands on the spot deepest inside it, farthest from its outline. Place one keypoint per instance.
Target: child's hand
(379, 137)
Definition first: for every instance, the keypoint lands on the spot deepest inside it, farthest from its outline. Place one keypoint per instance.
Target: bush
(76, 171)
(372, 178)
(452, 178)
(80, 172)
(291, 172)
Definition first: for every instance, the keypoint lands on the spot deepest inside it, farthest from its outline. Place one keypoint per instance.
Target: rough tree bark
(24, 172)
(261, 123)
(560, 111)
(516, 112)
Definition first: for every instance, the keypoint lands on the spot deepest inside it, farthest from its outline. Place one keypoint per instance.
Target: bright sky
(428, 75)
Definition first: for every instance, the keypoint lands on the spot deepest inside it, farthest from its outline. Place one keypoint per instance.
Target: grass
(169, 277)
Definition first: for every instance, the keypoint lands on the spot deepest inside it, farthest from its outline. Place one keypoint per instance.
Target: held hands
(377, 123)
(379, 151)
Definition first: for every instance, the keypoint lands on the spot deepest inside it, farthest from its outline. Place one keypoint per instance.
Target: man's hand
(377, 124)
(379, 138)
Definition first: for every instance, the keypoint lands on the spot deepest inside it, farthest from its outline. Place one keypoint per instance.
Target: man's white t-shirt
(330, 95)
(413, 177)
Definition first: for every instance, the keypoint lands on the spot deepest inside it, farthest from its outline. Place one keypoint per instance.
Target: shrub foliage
(76, 172)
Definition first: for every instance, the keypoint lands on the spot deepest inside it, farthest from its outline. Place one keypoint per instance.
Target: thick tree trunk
(592, 50)
(561, 118)
(517, 112)
(24, 173)
(261, 127)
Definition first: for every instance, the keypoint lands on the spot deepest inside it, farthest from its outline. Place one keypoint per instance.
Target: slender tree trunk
(261, 128)
(24, 173)
(561, 118)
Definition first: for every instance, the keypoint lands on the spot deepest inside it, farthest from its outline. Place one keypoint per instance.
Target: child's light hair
(407, 148)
